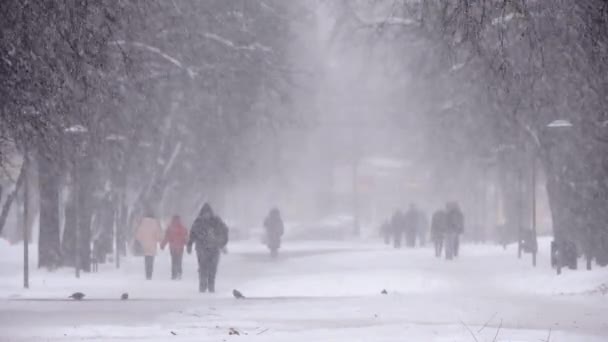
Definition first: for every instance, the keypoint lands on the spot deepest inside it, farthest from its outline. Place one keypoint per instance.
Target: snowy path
(315, 292)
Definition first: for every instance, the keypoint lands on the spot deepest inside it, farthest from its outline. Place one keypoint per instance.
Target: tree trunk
(49, 251)
(104, 227)
(84, 196)
(122, 228)
(68, 243)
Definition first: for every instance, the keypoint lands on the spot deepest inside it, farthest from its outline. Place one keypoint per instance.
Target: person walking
(274, 231)
(210, 235)
(176, 236)
(438, 230)
(455, 227)
(149, 234)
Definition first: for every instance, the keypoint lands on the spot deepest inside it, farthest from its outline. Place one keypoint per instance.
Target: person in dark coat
(176, 237)
(411, 226)
(274, 231)
(398, 227)
(210, 235)
(455, 227)
(438, 229)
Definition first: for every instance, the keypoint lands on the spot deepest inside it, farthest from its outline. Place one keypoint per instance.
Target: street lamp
(559, 124)
(553, 125)
(77, 131)
(26, 237)
(118, 231)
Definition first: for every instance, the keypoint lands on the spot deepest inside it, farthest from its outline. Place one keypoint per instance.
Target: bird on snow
(124, 296)
(237, 294)
(77, 296)
(384, 292)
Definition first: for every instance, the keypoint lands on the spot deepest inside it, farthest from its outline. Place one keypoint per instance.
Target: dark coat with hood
(208, 231)
(274, 229)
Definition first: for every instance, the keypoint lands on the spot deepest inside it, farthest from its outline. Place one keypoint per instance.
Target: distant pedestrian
(210, 235)
(455, 227)
(149, 234)
(274, 231)
(176, 236)
(438, 230)
(398, 227)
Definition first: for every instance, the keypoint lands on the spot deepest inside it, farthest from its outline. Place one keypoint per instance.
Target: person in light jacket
(149, 234)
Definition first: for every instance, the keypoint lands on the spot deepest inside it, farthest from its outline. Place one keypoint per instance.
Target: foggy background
(116, 115)
(333, 111)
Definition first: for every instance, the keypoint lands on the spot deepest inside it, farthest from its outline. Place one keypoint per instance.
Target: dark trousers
(207, 268)
(149, 264)
(456, 244)
(176, 263)
(274, 244)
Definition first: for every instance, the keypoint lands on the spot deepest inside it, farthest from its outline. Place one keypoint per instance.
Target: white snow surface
(315, 291)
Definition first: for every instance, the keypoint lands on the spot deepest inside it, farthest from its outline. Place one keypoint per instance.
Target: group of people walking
(208, 236)
(413, 226)
(447, 224)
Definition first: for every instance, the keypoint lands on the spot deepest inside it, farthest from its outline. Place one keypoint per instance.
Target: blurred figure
(149, 234)
(385, 232)
(176, 236)
(455, 227)
(438, 230)
(398, 227)
(411, 226)
(210, 234)
(274, 231)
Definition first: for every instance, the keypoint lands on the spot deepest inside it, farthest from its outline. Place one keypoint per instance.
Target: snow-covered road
(315, 292)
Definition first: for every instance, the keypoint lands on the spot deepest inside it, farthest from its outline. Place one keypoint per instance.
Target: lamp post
(520, 209)
(118, 230)
(77, 131)
(26, 238)
(356, 212)
(559, 124)
(534, 231)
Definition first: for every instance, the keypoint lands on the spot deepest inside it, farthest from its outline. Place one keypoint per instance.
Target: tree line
(121, 104)
(490, 79)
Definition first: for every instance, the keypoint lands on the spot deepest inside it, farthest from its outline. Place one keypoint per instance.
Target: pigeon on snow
(237, 294)
(77, 296)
